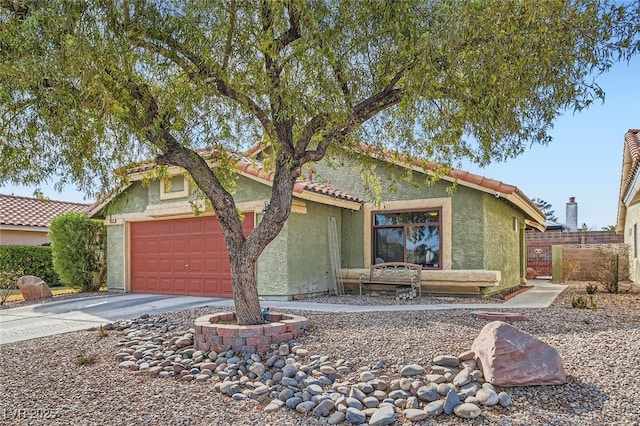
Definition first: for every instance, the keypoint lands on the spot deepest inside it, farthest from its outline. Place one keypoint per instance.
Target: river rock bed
(43, 382)
(291, 377)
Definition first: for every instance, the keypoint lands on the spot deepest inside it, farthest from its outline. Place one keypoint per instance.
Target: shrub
(32, 260)
(569, 268)
(592, 289)
(606, 268)
(78, 248)
(8, 281)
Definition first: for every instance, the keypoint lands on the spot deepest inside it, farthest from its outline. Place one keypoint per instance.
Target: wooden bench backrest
(395, 271)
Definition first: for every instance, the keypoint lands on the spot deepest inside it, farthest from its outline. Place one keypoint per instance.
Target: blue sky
(583, 161)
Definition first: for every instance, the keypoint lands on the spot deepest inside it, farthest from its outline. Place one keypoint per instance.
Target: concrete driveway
(55, 317)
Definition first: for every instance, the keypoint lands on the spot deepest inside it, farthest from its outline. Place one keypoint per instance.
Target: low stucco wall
(23, 238)
(468, 281)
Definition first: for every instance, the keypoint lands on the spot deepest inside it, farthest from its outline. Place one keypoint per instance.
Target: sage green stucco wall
(467, 239)
(467, 213)
(133, 200)
(115, 257)
(246, 190)
(351, 238)
(137, 197)
(298, 261)
(272, 269)
(501, 241)
(308, 250)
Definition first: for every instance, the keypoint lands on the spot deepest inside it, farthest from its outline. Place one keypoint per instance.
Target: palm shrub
(78, 246)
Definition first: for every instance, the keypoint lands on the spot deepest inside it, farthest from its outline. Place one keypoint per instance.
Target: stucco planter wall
(214, 333)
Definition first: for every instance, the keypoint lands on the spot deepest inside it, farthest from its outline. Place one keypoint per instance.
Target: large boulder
(510, 357)
(33, 288)
(531, 273)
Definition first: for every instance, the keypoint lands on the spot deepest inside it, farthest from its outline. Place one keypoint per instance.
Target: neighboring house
(552, 225)
(469, 240)
(629, 202)
(26, 221)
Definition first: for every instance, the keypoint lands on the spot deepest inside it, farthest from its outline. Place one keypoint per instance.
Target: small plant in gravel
(579, 302)
(83, 359)
(102, 332)
(8, 280)
(592, 288)
(582, 303)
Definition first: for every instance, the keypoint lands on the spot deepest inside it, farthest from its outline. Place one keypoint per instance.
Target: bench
(393, 273)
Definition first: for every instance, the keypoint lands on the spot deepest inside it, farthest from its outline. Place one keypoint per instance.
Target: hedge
(78, 247)
(33, 260)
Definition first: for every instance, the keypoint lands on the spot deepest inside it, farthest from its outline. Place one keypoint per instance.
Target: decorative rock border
(211, 335)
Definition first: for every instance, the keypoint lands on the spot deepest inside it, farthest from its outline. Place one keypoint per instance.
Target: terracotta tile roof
(489, 185)
(328, 190)
(461, 176)
(247, 164)
(25, 211)
(632, 146)
(255, 168)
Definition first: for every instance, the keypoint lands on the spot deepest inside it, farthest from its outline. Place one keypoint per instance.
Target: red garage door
(181, 256)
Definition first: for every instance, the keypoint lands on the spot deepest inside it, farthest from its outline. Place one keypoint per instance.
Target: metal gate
(539, 258)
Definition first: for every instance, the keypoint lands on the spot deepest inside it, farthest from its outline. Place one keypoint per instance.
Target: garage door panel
(196, 266)
(226, 287)
(211, 266)
(161, 249)
(180, 285)
(166, 266)
(165, 285)
(197, 244)
(197, 287)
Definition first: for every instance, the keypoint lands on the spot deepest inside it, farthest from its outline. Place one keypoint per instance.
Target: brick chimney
(571, 221)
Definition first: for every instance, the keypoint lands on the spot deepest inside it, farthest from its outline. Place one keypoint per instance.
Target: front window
(174, 187)
(412, 237)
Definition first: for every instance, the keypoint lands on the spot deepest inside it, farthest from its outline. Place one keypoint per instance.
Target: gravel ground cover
(43, 383)
(387, 298)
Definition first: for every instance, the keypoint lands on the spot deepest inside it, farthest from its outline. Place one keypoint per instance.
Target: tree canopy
(89, 86)
(546, 208)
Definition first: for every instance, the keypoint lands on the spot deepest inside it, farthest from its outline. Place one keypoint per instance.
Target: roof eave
(26, 228)
(498, 189)
(540, 227)
(101, 204)
(300, 192)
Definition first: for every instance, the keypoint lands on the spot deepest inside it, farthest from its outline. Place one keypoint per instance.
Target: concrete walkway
(62, 316)
(541, 295)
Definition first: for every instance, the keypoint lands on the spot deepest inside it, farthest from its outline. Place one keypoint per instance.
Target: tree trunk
(245, 288)
(243, 252)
